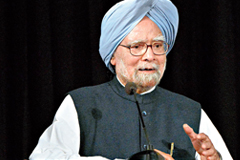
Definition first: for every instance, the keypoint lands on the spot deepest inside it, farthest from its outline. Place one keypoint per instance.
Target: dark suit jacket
(110, 125)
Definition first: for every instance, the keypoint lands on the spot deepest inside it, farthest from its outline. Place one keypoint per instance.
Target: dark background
(49, 47)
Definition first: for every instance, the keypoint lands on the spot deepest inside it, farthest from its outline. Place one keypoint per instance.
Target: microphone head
(147, 155)
(130, 88)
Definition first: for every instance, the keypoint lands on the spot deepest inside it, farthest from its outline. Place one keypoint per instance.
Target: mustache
(148, 66)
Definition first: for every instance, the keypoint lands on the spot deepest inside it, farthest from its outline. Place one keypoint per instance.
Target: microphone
(149, 153)
(131, 88)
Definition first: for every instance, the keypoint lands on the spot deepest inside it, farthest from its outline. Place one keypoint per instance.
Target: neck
(145, 90)
(140, 90)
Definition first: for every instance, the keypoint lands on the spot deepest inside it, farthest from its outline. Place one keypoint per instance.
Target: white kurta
(61, 140)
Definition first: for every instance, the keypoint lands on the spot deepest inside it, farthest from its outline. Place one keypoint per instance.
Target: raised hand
(202, 144)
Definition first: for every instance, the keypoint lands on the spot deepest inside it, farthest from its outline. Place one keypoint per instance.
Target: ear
(113, 60)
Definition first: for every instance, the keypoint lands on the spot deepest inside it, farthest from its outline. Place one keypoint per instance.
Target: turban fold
(125, 15)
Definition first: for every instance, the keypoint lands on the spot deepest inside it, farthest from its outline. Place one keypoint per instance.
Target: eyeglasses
(140, 48)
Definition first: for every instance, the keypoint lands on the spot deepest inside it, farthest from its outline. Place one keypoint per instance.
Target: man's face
(145, 70)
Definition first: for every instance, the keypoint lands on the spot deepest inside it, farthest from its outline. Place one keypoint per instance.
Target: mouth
(147, 69)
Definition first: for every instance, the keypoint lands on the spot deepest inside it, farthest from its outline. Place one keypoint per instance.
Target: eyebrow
(136, 41)
(159, 38)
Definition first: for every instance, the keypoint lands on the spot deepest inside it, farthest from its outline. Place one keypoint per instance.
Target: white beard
(142, 80)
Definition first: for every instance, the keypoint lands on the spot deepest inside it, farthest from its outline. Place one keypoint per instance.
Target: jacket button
(145, 146)
(144, 113)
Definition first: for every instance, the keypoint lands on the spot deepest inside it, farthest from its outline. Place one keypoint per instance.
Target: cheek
(127, 66)
(128, 60)
(162, 64)
(131, 65)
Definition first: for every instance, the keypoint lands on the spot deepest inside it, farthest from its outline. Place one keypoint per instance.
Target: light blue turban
(125, 15)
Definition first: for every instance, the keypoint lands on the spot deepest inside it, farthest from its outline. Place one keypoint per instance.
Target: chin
(147, 81)
(148, 84)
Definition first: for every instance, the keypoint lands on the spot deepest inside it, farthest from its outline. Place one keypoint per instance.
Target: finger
(207, 146)
(201, 142)
(197, 144)
(189, 131)
(209, 152)
(207, 149)
(215, 156)
(203, 137)
(203, 157)
(206, 143)
(165, 155)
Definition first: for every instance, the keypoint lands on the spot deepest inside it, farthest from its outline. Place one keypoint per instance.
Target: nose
(149, 55)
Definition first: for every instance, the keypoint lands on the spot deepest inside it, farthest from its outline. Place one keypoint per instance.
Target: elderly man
(102, 121)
